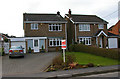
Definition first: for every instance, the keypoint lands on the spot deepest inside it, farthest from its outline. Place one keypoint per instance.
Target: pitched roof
(87, 18)
(100, 32)
(42, 17)
(111, 34)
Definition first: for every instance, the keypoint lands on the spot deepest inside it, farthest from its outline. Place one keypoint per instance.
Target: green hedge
(110, 53)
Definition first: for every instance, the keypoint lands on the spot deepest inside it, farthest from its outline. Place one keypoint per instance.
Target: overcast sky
(11, 13)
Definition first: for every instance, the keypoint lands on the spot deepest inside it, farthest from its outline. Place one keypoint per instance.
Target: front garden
(81, 56)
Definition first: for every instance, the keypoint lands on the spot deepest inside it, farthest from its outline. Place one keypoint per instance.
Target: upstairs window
(84, 27)
(101, 26)
(55, 27)
(34, 26)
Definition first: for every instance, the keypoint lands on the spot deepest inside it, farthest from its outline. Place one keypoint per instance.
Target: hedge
(110, 53)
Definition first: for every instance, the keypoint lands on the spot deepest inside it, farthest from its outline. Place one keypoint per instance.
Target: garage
(113, 42)
(18, 42)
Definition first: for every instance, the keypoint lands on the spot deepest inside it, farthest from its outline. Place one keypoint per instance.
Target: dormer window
(34, 26)
(101, 26)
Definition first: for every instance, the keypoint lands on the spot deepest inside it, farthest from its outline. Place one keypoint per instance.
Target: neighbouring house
(115, 29)
(44, 30)
(4, 43)
(87, 29)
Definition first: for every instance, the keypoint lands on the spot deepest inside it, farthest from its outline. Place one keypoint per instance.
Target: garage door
(112, 42)
(13, 43)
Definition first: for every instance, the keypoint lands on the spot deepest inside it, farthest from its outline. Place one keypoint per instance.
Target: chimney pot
(58, 13)
(69, 12)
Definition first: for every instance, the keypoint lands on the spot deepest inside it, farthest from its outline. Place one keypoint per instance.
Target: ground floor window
(30, 43)
(55, 42)
(85, 40)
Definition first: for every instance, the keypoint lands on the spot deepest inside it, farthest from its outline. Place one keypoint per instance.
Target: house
(44, 30)
(87, 29)
(115, 29)
(4, 43)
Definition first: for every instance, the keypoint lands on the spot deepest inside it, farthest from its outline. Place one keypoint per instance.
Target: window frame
(85, 40)
(54, 42)
(99, 26)
(54, 27)
(33, 26)
(84, 27)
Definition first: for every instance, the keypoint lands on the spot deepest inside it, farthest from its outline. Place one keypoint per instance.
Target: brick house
(115, 29)
(45, 30)
(88, 29)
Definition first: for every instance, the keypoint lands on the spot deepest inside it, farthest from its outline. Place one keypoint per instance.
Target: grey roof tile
(86, 18)
(42, 17)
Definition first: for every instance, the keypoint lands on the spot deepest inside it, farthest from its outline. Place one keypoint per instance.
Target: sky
(11, 13)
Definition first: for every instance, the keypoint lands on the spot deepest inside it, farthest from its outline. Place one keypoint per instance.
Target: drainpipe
(66, 33)
(75, 34)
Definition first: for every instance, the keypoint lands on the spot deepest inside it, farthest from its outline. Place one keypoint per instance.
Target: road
(109, 74)
(31, 63)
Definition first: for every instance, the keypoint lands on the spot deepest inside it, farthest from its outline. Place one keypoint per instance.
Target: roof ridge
(40, 13)
(82, 14)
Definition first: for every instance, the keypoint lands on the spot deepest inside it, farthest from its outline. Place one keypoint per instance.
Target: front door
(100, 42)
(36, 45)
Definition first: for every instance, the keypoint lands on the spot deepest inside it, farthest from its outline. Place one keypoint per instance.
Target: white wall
(112, 42)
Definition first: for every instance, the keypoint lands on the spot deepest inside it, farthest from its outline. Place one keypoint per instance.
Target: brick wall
(43, 31)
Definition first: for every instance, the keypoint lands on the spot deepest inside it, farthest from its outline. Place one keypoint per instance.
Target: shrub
(57, 61)
(110, 53)
(70, 58)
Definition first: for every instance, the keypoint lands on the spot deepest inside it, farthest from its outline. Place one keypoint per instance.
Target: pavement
(72, 72)
(31, 63)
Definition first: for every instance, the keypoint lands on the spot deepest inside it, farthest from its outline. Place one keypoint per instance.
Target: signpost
(63, 47)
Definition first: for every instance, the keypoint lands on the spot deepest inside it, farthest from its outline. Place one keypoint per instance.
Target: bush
(57, 61)
(70, 58)
(110, 53)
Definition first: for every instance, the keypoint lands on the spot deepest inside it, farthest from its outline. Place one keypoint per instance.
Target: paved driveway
(31, 63)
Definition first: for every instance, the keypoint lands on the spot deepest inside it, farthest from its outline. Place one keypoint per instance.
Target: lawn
(85, 58)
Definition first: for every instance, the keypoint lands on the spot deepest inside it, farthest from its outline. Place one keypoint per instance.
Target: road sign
(63, 47)
(63, 44)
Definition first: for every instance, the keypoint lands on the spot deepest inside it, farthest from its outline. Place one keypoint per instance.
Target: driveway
(31, 63)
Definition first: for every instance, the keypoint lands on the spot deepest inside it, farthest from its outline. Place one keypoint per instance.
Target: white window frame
(86, 38)
(33, 26)
(100, 26)
(84, 27)
(54, 40)
(55, 25)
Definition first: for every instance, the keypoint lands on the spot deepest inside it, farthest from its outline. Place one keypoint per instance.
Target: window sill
(55, 31)
(84, 30)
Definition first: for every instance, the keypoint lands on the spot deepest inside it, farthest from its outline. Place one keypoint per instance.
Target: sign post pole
(64, 55)
(64, 47)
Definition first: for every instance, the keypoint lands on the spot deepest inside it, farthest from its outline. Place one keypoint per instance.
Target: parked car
(16, 51)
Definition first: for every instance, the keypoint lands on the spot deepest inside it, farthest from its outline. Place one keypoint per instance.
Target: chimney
(69, 13)
(58, 13)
